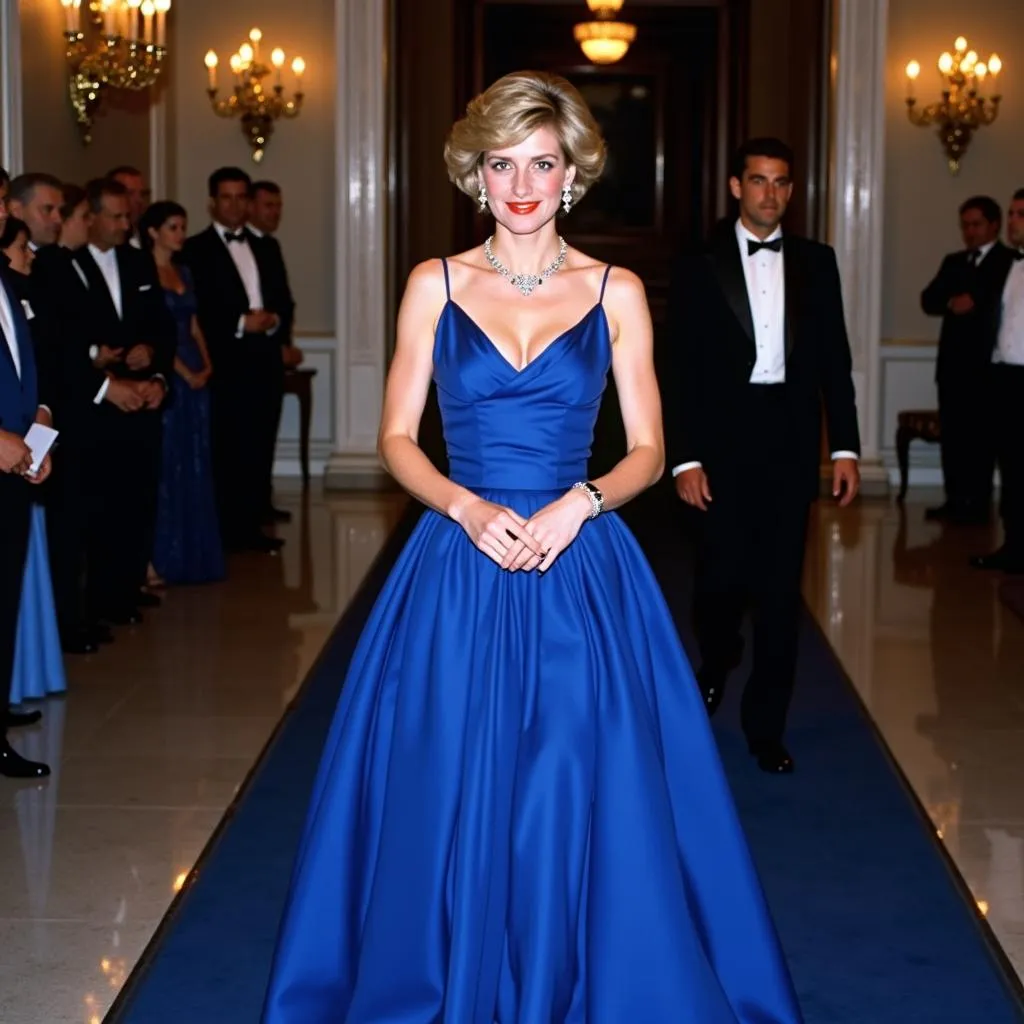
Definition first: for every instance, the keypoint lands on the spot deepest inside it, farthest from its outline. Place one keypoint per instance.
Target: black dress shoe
(79, 642)
(17, 719)
(148, 600)
(712, 689)
(944, 511)
(14, 766)
(277, 515)
(999, 561)
(124, 617)
(261, 543)
(772, 756)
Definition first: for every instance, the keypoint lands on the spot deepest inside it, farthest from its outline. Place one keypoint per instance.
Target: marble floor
(158, 731)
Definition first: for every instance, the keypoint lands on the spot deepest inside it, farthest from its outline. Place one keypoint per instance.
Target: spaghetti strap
(447, 283)
(604, 282)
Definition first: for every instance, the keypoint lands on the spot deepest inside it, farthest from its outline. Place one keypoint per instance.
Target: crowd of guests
(159, 358)
(979, 293)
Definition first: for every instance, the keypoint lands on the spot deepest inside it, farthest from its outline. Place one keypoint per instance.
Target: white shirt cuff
(240, 329)
(102, 393)
(273, 330)
(684, 466)
(845, 455)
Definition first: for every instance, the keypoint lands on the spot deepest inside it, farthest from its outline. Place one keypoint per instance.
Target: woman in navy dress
(520, 815)
(188, 546)
(38, 658)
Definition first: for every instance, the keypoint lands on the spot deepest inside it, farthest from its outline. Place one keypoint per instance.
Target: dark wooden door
(670, 112)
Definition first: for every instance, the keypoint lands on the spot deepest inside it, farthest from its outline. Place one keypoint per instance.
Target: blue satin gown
(520, 816)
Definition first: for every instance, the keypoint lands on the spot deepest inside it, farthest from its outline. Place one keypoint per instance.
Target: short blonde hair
(511, 110)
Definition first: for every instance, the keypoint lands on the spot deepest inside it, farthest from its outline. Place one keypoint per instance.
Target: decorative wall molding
(12, 149)
(858, 164)
(907, 381)
(158, 150)
(361, 28)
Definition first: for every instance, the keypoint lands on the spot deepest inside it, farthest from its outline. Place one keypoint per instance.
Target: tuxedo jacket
(277, 273)
(966, 340)
(222, 298)
(19, 396)
(60, 300)
(41, 333)
(712, 353)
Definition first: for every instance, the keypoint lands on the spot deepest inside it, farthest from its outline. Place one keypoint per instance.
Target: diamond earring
(482, 197)
(566, 198)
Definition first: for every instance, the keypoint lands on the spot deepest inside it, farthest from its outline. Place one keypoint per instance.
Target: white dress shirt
(1010, 343)
(764, 273)
(7, 326)
(245, 263)
(984, 250)
(107, 262)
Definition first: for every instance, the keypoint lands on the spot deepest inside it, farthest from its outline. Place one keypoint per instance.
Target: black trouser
(67, 512)
(968, 448)
(124, 472)
(751, 553)
(1008, 406)
(15, 522)
(246, 407)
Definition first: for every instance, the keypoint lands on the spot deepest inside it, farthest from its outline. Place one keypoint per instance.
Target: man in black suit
(758, 339)
(18, 408)
(133, 342)
(243, 309)
(1005, 315)
(962, 293)
(265, 209)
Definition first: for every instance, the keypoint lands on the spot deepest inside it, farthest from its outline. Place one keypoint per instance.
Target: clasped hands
(16, 458)
(516, 543)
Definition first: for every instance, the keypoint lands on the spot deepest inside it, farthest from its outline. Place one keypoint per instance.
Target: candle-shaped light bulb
(245, 52)
(913, 70)
(69, 15)
(277, 57)
(255, 35)
(960, 44)
(133, 19)
(162, 7)
(210, 60)
(946, 63)
(995, 65)
(980, 70)
(148, 10)
(299, 67)
(970, 59)
(236, 63)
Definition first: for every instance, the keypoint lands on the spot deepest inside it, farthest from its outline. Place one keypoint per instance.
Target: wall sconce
(128, 54)
(962, 108)
(604, 40)
(251, 102)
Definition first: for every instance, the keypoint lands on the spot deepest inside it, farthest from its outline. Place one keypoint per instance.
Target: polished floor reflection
(157, 732)
(938, 658)
(149, 746)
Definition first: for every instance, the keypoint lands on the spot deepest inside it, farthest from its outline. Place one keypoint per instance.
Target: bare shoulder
(625, 305)
(424, 287)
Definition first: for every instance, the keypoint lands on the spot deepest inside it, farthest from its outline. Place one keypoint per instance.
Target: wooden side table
(913, 425)
(299, 382)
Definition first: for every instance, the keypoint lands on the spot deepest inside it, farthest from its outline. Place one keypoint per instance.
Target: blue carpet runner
(876, 924)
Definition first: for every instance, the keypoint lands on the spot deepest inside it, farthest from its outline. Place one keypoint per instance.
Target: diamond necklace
(526, 282)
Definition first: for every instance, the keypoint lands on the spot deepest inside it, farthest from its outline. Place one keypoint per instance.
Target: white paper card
(40, 440)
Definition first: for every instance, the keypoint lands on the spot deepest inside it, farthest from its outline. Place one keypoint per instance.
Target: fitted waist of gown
(516, 474)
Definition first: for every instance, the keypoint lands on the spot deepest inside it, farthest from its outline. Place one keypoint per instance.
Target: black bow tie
(239, 237)
(775, 245)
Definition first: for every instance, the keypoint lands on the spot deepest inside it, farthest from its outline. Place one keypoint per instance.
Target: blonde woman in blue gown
(520, 815)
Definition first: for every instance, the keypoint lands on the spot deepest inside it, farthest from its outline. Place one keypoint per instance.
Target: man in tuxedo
(19, 407)
(35, 198)
(757, 339)
(245, 308)
(1005, 316)
(132, 340)
(265, 209)
(962, 294)
(138, 198)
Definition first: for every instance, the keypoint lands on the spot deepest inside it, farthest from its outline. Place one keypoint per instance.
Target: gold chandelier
(604, 40)
(128, 54)
(962, 108)
(250, 100)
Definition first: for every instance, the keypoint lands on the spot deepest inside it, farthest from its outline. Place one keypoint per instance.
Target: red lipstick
(523, 208)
